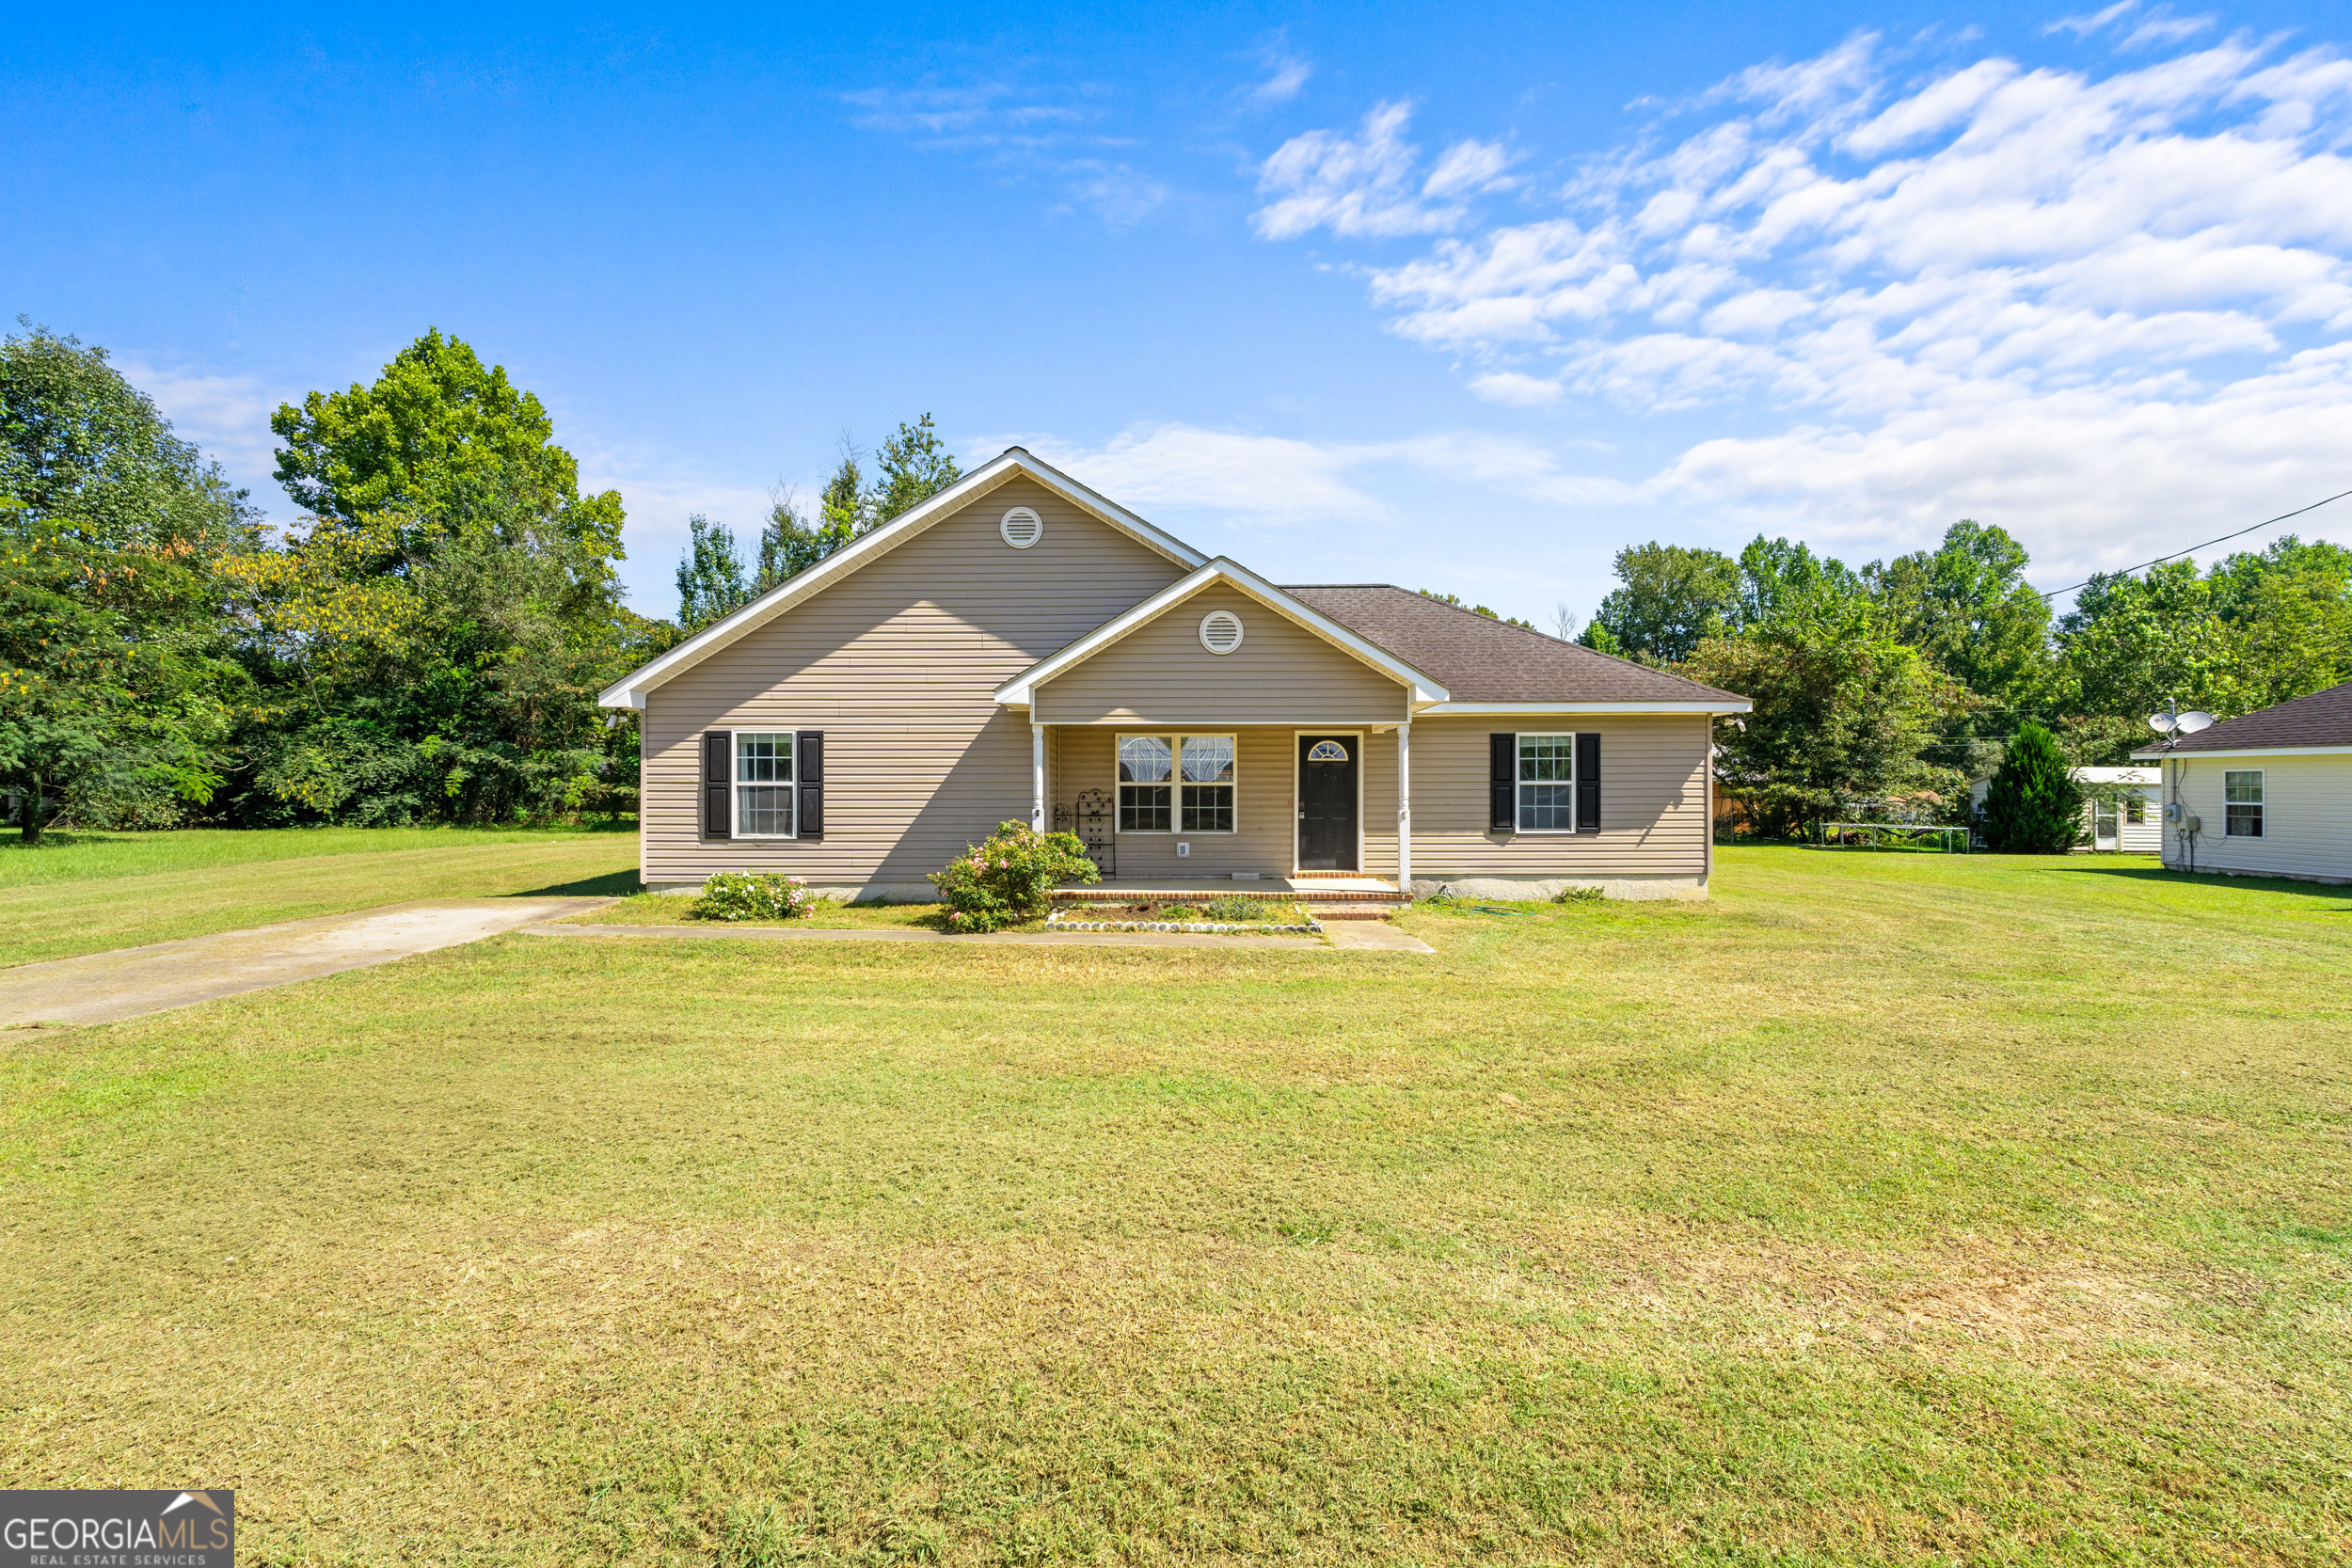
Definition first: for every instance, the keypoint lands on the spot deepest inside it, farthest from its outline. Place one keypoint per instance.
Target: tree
(1773, 572)
(114, 669)
(2033, 806)
(1842, 713)
(1968, 607)
(1598, 636)
(2132, 643)
(436, 426)
(1671, 596)
(913, 465)
(1563, 622)
(710, 578)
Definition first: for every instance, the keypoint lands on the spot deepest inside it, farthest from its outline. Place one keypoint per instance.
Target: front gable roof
(1020, 691)
(1014, 462)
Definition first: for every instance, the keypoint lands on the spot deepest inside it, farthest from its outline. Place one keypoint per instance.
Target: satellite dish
(2195, 720)
(2161, 722)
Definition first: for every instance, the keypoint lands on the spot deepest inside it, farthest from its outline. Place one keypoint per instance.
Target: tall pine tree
(2033, 806)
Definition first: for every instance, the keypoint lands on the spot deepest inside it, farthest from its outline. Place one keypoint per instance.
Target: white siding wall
(2307, 827)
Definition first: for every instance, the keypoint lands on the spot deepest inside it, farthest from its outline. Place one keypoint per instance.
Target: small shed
(2131, 821)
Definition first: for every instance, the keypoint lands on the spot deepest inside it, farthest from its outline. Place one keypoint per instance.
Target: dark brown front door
(1327, 801)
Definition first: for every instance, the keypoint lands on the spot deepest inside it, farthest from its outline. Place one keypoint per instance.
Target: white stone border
(1055, 922)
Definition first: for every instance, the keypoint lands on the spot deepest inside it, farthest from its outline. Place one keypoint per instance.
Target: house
(2133, 823)
(2268, 793)
(1019, 647)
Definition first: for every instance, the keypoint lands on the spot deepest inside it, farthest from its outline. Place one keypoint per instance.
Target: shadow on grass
(612, 884)
(2217, 879)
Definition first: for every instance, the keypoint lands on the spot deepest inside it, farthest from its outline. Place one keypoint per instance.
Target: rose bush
(754, 895)
(1010, 877)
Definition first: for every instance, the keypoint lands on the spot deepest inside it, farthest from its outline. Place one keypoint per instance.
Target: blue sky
(1459, 297)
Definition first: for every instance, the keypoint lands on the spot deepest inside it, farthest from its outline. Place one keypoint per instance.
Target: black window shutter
(718, 774)
(1502, 783)
(808, 773)
(1587, 782)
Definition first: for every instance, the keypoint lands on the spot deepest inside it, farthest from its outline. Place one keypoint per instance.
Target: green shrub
(754, 895)
(1010, 877)
(1581, 895)
(1234, 907)
(2034, 806)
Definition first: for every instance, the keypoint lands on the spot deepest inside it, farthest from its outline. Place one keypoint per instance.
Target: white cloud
(1285, 75)
(1362, 186)
(1515, 391)
(2091, 22)
(227, 416)
(1274, 481)
(2072, 303)
(1052, 134)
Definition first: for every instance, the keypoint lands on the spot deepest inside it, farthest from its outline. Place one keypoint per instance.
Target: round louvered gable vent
(1220, 631)
(1021, 527)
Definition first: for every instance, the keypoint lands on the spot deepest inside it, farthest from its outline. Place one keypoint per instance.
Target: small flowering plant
(1010, 877)
(754, 895)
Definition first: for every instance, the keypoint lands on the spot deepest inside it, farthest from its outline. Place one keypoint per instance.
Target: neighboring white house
(2268, 795)
(2133, 824)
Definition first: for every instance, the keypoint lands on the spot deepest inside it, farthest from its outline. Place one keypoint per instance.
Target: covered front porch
(1185, 810)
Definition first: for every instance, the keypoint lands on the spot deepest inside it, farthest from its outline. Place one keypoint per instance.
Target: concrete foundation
(1541, 888)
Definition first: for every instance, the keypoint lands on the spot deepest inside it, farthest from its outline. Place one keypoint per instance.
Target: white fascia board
(1717, 705)
(1019, 691)
(2249, 752)
(629, 691)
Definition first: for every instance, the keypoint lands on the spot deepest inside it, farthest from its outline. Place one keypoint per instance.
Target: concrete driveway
(100, 987)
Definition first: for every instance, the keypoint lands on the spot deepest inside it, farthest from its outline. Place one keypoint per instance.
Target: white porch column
(1037, 777)
(1404, 809)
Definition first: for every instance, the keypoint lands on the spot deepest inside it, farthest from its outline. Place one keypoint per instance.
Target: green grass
(673, 909)
(90, 892)
(1883, 1210)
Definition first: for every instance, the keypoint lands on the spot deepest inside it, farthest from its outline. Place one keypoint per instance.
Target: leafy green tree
(2033, 806)
(913, 465)
(436, 426)
(1669, 599)
(1843, 710)
(1775, 571)
(711, 583)
(1968, 607)
(843, 509)
(2131, 644)
(115, 675)
(1598, 637)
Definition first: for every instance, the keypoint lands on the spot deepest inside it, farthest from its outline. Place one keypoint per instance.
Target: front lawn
(1884, 1209)
(92, 891)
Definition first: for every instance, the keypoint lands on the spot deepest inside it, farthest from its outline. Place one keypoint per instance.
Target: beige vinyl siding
(1282, 674)
(1266, 801)
(896, 663)
(2307, 815)
(1653, 800)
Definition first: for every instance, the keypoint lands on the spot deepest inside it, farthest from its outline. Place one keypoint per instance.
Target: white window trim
(736, 786)
(1517, 824)
(1175, 828)
(2262, 805)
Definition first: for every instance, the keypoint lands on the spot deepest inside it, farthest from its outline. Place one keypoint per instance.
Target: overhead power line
(2207, 545)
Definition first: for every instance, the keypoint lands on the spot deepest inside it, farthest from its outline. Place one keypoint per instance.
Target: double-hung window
(2242, 803)
(1146, 763)
(1206, 765)
(1547, 783)
(1176, 784)
(763, 785)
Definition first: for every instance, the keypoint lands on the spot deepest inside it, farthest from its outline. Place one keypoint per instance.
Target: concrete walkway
(100, 987)
(1000, 939)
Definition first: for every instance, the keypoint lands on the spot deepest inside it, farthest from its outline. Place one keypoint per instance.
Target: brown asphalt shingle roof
(1478, 659)
(2322, 719)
